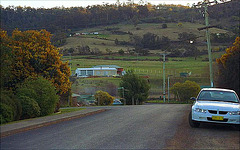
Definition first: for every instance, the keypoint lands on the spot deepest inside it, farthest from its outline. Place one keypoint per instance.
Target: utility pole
(205, 5)
(208, 42)
(70, 63)
(164, 83)
(169, 87)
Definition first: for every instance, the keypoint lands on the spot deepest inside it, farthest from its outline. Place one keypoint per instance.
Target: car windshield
(218, 96)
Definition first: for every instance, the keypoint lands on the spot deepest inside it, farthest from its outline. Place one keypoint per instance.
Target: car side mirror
(193, 98)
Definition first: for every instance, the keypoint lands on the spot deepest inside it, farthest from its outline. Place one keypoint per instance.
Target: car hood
(217, 105)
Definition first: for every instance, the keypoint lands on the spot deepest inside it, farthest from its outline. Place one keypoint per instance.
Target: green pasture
(152, 69)
(101, 44)
(126, 57)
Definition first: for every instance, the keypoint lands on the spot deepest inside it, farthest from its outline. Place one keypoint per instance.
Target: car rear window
(218, 96)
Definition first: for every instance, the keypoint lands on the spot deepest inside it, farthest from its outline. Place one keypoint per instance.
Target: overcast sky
(83, 3)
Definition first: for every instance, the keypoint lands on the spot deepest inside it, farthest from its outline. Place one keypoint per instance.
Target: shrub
(8, 98)
(121, 52)
(104, 98)
(185, 90)
(180, 25)
(164, 26)
(30, 108)
(6, 113)
(46, 94)
(24, 91)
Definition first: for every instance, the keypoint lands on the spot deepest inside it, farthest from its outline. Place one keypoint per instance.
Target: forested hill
(69, 19)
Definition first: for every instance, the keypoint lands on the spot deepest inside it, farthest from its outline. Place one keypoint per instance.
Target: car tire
(192, 123)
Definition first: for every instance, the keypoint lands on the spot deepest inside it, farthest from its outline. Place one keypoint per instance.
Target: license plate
(217, 118)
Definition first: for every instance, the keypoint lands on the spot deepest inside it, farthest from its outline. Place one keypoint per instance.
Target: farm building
(120, 70)
(101, 71)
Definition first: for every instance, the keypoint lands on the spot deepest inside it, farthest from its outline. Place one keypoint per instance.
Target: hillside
(106, 39)
(64, 20)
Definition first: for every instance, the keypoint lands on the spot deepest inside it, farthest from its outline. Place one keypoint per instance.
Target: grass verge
(170, 102)
(68, 110)
(62, 111)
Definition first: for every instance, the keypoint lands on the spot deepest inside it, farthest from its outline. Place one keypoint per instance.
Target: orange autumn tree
(228, 67)
(36, 56)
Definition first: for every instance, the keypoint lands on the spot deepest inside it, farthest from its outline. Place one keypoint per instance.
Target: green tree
(121, 52)
(185, 90)
(187, 37)
(228, 67)
(108, 51)
(71, 50)
(137, 88)
(116, 41)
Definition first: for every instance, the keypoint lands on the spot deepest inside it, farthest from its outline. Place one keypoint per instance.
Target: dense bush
(46, 94)
(23, 91)
(30, 108)
(104, 98)
(185, 90)
(164, 26)
(6, 113)
(8, 98)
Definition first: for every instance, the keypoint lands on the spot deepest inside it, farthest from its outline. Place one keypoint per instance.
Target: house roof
(107, 66)
(75, 95)
(103, 68)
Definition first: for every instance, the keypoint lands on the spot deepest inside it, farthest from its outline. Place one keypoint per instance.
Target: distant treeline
(60, 18)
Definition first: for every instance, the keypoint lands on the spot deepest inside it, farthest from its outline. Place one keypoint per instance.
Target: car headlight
(234, 113)
(200, 110)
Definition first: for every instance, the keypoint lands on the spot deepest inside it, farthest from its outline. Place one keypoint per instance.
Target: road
(128, 127)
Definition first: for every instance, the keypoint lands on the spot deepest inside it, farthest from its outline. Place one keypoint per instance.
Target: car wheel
(192, 123)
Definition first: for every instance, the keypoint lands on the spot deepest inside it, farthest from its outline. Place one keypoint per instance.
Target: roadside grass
(62, 111)
(68, 110)
(170, 102)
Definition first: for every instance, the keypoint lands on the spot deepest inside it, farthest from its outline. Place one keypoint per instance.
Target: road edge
(24, 129)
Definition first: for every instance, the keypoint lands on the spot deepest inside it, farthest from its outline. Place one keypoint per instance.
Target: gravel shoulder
(207, 136)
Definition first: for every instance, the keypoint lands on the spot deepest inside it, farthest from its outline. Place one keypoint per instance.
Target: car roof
(217, 89)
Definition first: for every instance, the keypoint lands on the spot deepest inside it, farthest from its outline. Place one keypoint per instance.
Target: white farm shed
(86, 72)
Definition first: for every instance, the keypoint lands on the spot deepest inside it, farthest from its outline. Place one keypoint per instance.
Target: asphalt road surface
(128, 127)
